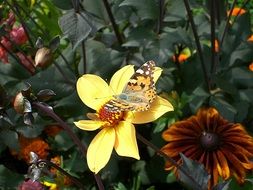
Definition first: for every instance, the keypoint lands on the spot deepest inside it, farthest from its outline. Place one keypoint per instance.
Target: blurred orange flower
(250, 39)
(251, 67)
(224, 148)
(236, 11)
(27, 145)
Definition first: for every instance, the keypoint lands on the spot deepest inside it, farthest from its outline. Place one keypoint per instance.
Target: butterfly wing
(140, 91)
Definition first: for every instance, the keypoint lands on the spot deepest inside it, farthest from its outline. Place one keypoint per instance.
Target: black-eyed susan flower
(224, 148)
(116, 128)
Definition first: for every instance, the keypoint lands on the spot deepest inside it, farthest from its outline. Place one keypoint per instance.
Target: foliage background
(92, 42)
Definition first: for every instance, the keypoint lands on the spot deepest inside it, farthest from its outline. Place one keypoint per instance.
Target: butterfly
(138, 93)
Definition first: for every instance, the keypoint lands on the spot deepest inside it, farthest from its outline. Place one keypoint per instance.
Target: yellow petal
(89, 125)
(120, 79)
(157, 73)
(125, 144)
(159, 107)
(93, 91)
(100, 149)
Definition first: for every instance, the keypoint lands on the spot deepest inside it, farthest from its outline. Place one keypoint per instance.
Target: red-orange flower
(251, 67)
(250, 39)
(216, 46)
(236, 11)
(36, 145)
(224, 148)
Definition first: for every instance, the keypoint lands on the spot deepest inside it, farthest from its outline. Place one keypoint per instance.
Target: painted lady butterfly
(138, 93)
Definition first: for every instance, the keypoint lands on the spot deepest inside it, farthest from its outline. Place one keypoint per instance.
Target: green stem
(51, 164)
(165, 156)
(45, 109)
(161, 14)
(84, 58)
(112, 19)
(187, 6)
(15, 57)
(227, 24)
(17, 12)
(214, 60)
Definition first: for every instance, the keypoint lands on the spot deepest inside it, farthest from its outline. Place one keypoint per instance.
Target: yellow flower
(117, 129)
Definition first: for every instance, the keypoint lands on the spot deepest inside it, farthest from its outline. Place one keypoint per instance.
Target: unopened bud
(43, 57)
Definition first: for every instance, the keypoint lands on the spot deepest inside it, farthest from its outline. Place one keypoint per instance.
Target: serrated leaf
(196, 171)
(76, 26)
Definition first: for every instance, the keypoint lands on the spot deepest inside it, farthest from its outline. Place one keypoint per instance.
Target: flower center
(113, 118)
(209, 141)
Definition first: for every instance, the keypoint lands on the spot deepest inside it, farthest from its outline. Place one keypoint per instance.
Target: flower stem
(17, 12)
(187, 6)
(161, 14)
(158, 151)
(51, 164)
(214, 60)
(227, 23)
(112, 19)
(15, 57)
(84, 58)
(45, 109)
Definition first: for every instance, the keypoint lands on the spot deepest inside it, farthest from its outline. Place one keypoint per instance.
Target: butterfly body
(138, 93)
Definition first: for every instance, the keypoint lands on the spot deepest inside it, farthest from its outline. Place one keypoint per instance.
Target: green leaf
(196, 171)
(63, 141)
(9, 179)
(9, 138)
(242, 77)
(147, 9)
(101, 60)
(246, 95)
(225, 109)
(176, 11)
(161, 123)
(63, 4)
(76, 26)
(139, 36)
